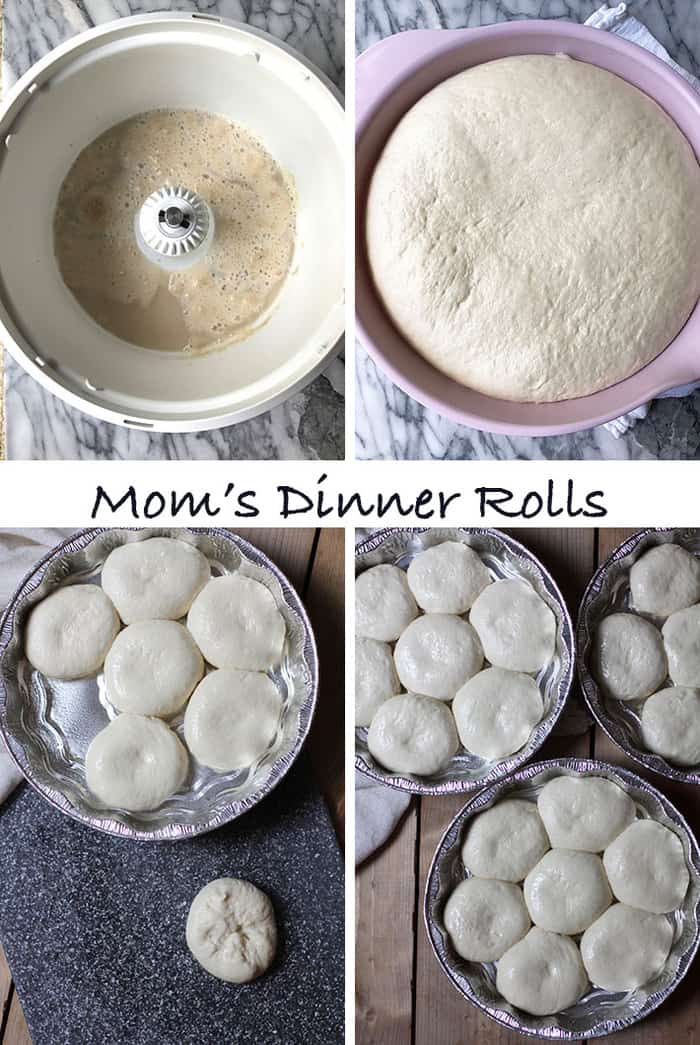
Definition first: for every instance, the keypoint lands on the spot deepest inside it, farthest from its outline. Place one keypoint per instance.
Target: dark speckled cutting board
(94, 927)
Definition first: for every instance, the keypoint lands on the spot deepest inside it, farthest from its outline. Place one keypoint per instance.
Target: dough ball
(375, 678)
(232, 718)
(413, 734)
(236, 624)
(665, 579)
(566, 891)
(626, 948)
(135, 763)
(152, 668)
(155, 579)
(447, 577)
(516, 627)
(496, 712)
(68, 633)
(646, 867)
(505, 841)
(384, 605)
(584, 812)
(485, 918)
(628, 657)
(671, 725)
(231, 930)
(681, 636)
(542, 974)
(436, 654)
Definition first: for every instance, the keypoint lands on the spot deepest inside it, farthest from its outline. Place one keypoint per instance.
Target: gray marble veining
(308, 426)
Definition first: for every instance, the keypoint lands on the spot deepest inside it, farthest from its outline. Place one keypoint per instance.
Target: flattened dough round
(232, 718)
(496, 711)
(152, 667)
(68, 633)
(436, 654)
(384, 604)
(505, 841)
(516, 627)
(584, 812)
(485, 918)
(681, 635)
(665, 579)
(375, 678)
(413, 734)
(155, 579)
(566, 891)
(625, 948)
(671, 725)
(542, 974)
(629, 660)
(646, 867)
(135, 763)
(231, 930)
(447, 577)
(236, 624)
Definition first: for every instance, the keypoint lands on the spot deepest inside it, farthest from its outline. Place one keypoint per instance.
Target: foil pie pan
(505, 558)
(599, 1012)
(47, 724)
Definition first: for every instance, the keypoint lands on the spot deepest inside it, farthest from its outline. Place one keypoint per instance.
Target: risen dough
(625, 948)
(485, 918)
(155, 579)
(505, 841)
(665, 579)
(413, 734)
(375, 678)
(152, 668)
(232, 718)
(135, 763)
(436, 654)
(516, 627)
(584, 813)
(384, 605)
(646, 867)
(231, 930)
(566, 891)
(496, 712)
(236, 624)
(542, 974)
(681, 634)
(526, 286)
(671, 725)
(447, 577)
(68, 633)
(628, 656)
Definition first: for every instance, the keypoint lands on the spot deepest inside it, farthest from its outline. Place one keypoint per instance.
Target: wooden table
(402, 996)
(313, 560)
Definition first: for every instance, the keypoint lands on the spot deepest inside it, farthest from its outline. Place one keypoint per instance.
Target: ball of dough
(68, 633)
(628, 657)
(566, 891)
(496, 711)
(516, 627)
(665, 579)
(384, 605)
(436, 654)
(375, 678)
(232, 718)
(231, 930)
(135, 763)
(236, 624)
(155, 579)
(584, 812)
(413, 734)
(681, 636)
(485, 918)
(505, 841)
(646, 867)
(447, 577)
(671, 725)
(626, 948)
(152, 668)
(542, 974)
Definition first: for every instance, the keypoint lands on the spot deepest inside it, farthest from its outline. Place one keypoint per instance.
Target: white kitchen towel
(378, 809)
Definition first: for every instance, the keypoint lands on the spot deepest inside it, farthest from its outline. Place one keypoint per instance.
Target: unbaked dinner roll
(154, 579)
(681, 635)
(516, 627)
(232, 718)
(447, 577)
(542, 973)
(375, 678)
(566, 891)
(231, 930)
(646, 867)
(152, 668)
(671, 725)
(413, 734)
(436, 654)
(68, 634)
(584, 812)
(628, 656)
(236, 624)
(665, 579)
(626, 948)
(384, 604)
(485, 918)
(505, 841)
(496, 711)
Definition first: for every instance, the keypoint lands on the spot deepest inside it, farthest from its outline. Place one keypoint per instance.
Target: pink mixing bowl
(391, 77)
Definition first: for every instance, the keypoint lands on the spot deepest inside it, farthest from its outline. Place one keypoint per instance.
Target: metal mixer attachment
(175, 228)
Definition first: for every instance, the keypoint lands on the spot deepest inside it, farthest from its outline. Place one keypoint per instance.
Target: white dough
(447, 577)
(665, 579)
(152, 668)
(436, 654)
(231, 930)
(516, 627)
(542, 974)
(646, 867)
(154, 579)
(236, 624)
(135, 763)
(628, 656)
(413, 734)
(681, 635)
(485, 918)
(584, 812)
(505, 841)
(375, 678)
(384, 605)
(496, 711)
(566, 891)
(232, 718)
(671, 725)
(68, 633)
(626, 948)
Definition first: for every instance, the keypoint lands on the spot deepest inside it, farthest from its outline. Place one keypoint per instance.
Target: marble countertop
(391, 425)
(310, 425)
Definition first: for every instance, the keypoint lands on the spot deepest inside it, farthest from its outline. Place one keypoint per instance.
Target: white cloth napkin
(378, 809)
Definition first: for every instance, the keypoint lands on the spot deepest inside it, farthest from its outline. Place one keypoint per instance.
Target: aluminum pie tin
(505, 558)
(47, 724)
(608, 592)
(599, 1012)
